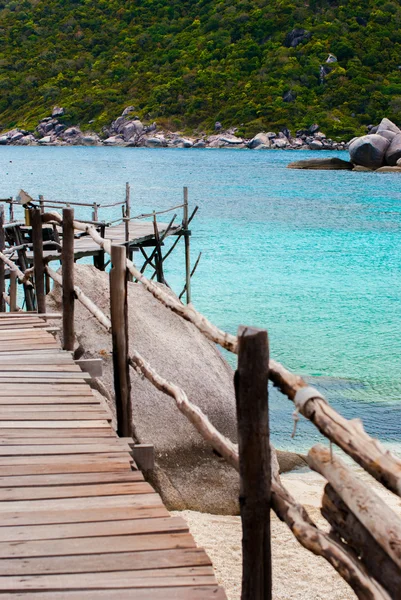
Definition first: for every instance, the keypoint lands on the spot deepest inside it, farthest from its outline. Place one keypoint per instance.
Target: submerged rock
(188, 474)
(324, 164)
(388, 169)
(369, 151)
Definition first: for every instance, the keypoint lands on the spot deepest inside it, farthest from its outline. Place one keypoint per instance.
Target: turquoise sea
(313, 256)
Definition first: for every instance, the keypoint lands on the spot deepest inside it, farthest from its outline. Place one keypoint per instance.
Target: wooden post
(28, 291)
(13, 291)
(158, 253)
(41, 204)
(11, 211)
(127, 216)
(2, 268)
(119, 327)
(39, 267)
(95, 213)
(187, 247)
(67, 260)
(251, 392)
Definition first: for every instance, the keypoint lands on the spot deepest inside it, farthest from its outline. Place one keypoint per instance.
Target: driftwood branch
(349, 528)
(83, 299)
(7, 300)
(382, 523)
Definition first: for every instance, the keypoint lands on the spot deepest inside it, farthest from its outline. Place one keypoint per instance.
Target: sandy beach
(297, 574)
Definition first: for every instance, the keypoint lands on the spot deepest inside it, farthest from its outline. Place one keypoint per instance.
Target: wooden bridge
(77, 519)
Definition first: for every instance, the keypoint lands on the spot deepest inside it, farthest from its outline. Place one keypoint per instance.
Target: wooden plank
(74, 491)
(93, 514)
(8, 415)
(53, 369)
(55, 449)
(104, 433)
(124, 561)
(70, 479)
(111, 443)
(55, 392)
(172, 593)
(63, 458)
(73, 376)
(96, 545)
(25, 379)
(97, 528)
(72, 424)
(162, 578)
(49, 400)
(57, 467)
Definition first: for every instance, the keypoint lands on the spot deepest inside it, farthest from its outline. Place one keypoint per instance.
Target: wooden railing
(364, 544)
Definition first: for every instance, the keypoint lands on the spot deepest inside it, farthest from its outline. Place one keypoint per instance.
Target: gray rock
(280, 143)
(72, 132)
(271, 135)
(26, 140)
(59, 128)
(295, 37)
(387, 125)
(231, 140)
(369, 151)
(17, 136)
(394, 151)
(127, 111)
(261, 139)
(57, 111)
(90, 140)
(218, 126)
(45, 140)
(389, 135)
(182, 143)
(114, 140)
(132, 129)
(388, 169)
(316, 145)
(156, 142)
(3, 140)
(359, 168)
(200, 144)
(314, 128)
(289, 96)
(324, 164)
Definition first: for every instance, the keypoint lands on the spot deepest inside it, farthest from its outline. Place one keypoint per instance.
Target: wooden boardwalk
(77, 519)
(141, 233)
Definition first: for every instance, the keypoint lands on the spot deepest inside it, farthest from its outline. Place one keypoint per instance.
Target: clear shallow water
(313, 256)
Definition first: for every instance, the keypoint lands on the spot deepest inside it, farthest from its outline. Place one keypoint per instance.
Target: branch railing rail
(351, 557)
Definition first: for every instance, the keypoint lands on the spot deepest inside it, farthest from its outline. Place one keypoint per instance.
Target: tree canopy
(189, 63)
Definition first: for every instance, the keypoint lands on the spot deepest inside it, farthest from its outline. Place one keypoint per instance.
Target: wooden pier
(77, 519)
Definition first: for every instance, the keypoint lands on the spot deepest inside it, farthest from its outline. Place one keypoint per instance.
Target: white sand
(297, 573)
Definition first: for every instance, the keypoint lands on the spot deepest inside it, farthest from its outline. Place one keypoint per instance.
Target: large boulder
(369, 151)
(394, 151)
(261, 139)
(324, 164)
(132, 129)
(188, 473)
(387, 125)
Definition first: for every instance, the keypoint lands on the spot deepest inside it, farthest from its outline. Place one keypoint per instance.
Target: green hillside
(188, 63)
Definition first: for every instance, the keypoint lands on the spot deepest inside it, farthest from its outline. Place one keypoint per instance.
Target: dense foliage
(188, 63)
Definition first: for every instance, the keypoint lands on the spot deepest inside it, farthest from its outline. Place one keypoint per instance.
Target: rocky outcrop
(296, 37)
(188, 473)
(322, 164)
(393, 153)
(369, 151)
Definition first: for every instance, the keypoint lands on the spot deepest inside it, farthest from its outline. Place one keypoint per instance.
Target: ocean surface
(313, 256)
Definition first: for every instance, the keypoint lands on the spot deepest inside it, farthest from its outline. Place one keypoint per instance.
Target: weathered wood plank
(71, 424)
(96, 545)
(171, 593)
(162, 578)
(55, 449)
(97, 528)
(74, 491)
(70, 479)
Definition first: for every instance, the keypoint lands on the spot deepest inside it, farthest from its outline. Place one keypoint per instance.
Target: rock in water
(394, 151)
(325, 164)
(369, 150)
(188, 473)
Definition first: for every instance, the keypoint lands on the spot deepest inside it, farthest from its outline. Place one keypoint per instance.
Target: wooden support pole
(67, 260)
(158, 253)
(28, 290)
(187, 247)
(127, 215)
(251, 392)
(39, 267)
(42, 205)
(2, 267)
(119, 330)
(11, 210)
(95, 212)
(13, 291)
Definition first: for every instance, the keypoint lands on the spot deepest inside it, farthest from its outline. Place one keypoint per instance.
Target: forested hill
(188, 63)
